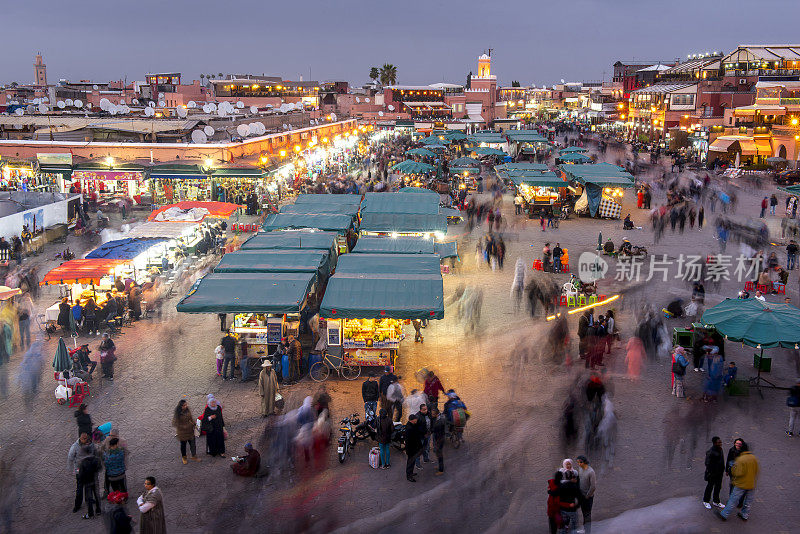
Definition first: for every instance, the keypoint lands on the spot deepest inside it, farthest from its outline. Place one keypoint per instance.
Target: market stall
(276, 261)
(602, 187)
(370, 296)
(404, 224)
(16, 175)
(266, 307)
(82, 279)
(109, 183)
(541, 189)
(172, 182)
(193, 211)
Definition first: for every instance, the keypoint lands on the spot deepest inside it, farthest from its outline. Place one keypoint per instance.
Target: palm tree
(202, 76)
(388, 74)
(374, 74)
(220, 75)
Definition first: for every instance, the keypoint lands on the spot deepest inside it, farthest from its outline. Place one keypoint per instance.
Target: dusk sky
(431, 41)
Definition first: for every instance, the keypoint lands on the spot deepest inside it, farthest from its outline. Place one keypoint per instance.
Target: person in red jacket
(553, 503)
(432, 388)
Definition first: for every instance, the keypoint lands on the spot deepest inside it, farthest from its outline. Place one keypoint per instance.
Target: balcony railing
(790, 101)
(785, 130)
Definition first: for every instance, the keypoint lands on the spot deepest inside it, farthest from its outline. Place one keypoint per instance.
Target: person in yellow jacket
(743, 478)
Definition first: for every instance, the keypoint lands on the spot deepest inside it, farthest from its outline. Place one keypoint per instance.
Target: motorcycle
(399, 436)
(368, 429)
(634, 251)
(456, 435)
(347, 439)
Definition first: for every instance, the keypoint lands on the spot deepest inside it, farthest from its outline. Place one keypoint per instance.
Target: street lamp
(110, 161)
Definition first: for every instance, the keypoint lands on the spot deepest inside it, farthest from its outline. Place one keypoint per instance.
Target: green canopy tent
(535, 179)
(321, 221)
(389, 264)
(377, 296)
(341, 209)
(424, 152)
(61, 361)
(487, 137)
(291, 239)
(574, 157)
(467, 170)
(572, 149)
(488, 151)
(756, 324)
(465, 162)
(455, 135)
(434, 140)
(522, 166)
(276, 261)
(413, 167)
(397, 202)
(276, 293)
(388, 245)
(327, 199)
(403, 223)
(791, 189)
(418, 191)
(525, 136)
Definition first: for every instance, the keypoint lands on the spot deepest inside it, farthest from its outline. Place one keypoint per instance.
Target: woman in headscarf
(214, 427)
(567, 465)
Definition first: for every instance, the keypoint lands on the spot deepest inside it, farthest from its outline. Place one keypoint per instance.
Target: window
(682, 100)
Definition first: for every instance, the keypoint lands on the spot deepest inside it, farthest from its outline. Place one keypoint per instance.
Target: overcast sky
(429, 41)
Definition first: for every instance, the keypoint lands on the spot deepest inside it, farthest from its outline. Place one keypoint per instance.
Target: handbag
(224, 433)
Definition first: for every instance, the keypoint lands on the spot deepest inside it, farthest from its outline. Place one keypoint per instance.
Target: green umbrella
(489, 151)
(413, 167)
(465, 162)
(433, 140)
(61, 362)
(756, 324)
(421, 152)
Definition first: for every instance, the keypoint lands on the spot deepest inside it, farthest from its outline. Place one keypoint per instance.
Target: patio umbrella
(413, 167)
(421, 152)
(775, 159)
(488, 151)
(756, 324)
(61, 361)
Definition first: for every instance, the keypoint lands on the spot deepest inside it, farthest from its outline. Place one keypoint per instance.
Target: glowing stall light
(438, 235)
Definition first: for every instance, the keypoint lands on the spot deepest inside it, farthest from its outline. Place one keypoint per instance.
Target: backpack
(678, 369)
(792, 401)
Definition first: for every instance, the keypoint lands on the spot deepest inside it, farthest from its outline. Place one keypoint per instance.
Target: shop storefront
(16, 176)
(109, 184)
(53, 173)
(176, 182)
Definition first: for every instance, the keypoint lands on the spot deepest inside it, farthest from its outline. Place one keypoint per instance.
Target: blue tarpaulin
(593, 195)
(123, 249)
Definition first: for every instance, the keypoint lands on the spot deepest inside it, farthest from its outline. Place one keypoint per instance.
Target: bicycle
(320, 371)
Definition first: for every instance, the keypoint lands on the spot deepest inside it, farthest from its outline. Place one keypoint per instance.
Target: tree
(220, 75)
(515, 83)
(388, 74)
(202, 76)
(374, 74)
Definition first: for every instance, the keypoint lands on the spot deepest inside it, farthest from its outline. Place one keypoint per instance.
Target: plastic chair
(565, 268)
(537, 265)
(581, 300)
(571, 300)
(79, 392)
(601, 298)
(748, 286)
(592, 299)
(562, 300)
(780, 288)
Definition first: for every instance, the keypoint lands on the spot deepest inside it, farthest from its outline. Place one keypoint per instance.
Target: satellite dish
(391, 107)
(240, 104)
(299, 105)
(162, 104)
(285, 127)
(37, 101)
(149, 112)
(366, 100)
(253, 109)
(206, 109)
(380, 113)
(253, 127)
(112, 109)
(19, 112)
(333, 116)
(243, 130)
(199, 137)
(135, 101)
(161, 96)
(261, 128)
(191, 104)
(45, 100)
(104, 104)
(30, 109)
(151, 104)
(208, 130)
(269, 106)
(562, 81)
(222, 111)
(43, 108)
(61, 104)
(69, 102)
(213, 106)
(358, 99)
(95, 88)
(181, 111)
(122, 102)
(78, 104)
